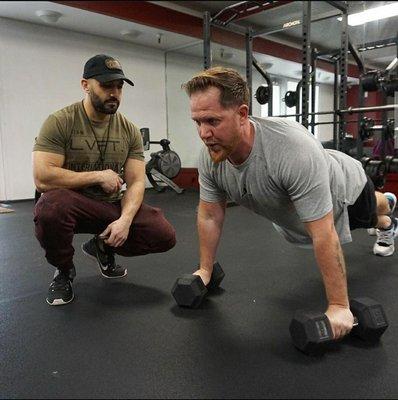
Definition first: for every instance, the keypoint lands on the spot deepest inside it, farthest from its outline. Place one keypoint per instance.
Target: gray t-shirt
(288, 178)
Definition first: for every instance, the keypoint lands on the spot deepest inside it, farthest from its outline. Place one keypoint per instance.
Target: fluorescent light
(373, 14)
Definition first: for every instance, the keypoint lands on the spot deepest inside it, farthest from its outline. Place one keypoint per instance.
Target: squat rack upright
(225, 18)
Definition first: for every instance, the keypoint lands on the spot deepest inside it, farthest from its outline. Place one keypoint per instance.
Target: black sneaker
(60, 291)
(98, 251)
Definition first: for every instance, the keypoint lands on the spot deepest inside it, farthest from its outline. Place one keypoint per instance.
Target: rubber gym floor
(129, 339)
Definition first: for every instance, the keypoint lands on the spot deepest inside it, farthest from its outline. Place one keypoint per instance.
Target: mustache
(210, 143)
(112, 101)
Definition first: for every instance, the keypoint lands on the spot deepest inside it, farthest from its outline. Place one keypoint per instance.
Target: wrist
(97, 176)
(206, 268)
(341, 305)
(126, 219)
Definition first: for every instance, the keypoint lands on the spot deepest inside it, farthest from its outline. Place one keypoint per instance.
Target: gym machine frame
(241, 10)
(332, 57)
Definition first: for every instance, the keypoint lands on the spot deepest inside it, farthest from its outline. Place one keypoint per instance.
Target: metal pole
(313, 89)
(352, 110)
(360, 116)
(206, 40)
(349, 110)
(249, 62)
(298, 88)
(306, 60)
(343, 76)
(335, 103)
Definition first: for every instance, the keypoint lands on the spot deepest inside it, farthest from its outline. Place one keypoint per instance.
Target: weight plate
(169, 164)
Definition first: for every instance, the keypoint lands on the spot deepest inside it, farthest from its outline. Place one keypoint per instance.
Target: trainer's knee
(166, 235)
(52, 206)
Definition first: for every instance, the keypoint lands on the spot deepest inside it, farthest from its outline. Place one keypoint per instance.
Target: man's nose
(205, 132)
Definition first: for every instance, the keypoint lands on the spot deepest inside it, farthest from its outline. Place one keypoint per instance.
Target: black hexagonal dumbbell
(311, 331)
(189, 290)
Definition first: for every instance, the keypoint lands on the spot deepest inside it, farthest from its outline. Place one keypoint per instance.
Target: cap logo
(112, 64)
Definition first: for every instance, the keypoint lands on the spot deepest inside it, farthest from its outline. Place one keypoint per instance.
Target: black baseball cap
(104, 68)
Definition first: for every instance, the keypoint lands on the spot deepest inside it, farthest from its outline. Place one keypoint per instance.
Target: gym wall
(325, 101)
(40, 72)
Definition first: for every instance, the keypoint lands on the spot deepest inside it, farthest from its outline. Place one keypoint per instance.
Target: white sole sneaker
(372, 231)
(384, 245)
(60, 302)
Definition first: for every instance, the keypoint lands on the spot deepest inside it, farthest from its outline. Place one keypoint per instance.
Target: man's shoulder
(66, 112)
(126, 123)
(277, 125)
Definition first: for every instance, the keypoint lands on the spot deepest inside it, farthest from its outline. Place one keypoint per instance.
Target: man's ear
(243, 111)
(84, 85)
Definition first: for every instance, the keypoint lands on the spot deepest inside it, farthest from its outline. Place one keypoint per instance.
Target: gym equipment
(390, 87)
(391, 165)
(164, 165)
(189, 290)
(364, 128)
(311, 332)
(378, 79)
(376, 170)
(265, 94)
(370, 80)
(291, 98)
(262, 94)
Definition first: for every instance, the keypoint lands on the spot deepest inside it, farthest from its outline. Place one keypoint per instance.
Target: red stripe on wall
(155, 16)
(187, 178)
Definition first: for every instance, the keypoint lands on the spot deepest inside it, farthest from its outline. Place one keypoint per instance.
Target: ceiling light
(130, 34)
(373, 14)
(49, 16)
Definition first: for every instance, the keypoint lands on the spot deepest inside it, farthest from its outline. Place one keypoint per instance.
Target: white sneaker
(372, 231)
(384, 245)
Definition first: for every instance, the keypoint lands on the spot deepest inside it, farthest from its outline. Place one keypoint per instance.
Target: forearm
(209, 230)
(132, 200)
(330, 259)
(61, 178)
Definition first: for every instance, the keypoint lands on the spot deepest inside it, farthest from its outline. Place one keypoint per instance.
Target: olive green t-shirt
(90, 146)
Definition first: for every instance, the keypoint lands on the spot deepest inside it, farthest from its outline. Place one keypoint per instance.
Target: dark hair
(233, 88)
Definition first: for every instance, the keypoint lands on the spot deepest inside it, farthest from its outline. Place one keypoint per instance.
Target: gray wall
(40, 72)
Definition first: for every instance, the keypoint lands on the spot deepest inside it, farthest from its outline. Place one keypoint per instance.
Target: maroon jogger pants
(61, 213)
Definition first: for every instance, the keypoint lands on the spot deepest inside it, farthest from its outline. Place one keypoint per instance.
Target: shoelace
(59, 282)
(385, 236)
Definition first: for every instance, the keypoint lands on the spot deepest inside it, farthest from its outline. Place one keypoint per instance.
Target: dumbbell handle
(356, 323)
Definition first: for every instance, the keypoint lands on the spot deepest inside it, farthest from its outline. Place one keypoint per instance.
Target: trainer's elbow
(40, 183)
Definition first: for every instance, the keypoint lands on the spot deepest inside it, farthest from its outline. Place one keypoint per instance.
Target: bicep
(134, 170)
(43, 160)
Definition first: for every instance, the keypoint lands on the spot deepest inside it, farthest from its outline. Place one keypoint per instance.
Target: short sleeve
(136, 147)
(51, 138)
(209, 190)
